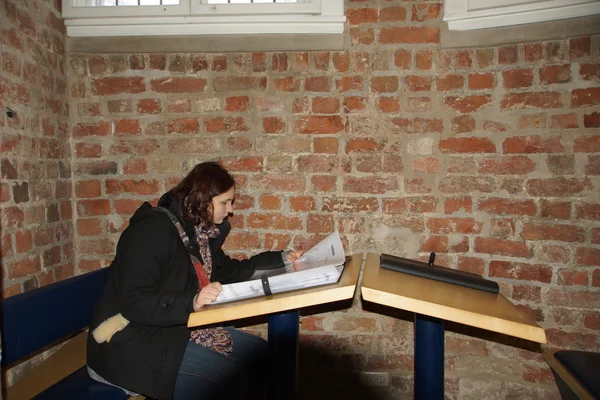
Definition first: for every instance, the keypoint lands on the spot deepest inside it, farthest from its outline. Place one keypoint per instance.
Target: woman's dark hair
(196, 190)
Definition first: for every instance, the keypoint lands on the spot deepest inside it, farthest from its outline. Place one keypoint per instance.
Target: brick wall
(35, 190)
(488, 156)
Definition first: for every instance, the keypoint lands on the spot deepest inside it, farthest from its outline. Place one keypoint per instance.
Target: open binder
(321, 265)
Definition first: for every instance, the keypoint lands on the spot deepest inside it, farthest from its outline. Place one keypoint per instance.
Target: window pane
(112, 3)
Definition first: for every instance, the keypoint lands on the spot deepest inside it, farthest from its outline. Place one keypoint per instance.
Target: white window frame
(477, 14)
(193, 17)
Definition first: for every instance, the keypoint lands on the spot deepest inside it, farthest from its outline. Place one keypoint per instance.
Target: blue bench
(41, 318)
(576, 373)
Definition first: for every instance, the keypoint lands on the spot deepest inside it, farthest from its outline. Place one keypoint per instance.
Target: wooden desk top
(342, 290)
(446, 301)
(572, 382)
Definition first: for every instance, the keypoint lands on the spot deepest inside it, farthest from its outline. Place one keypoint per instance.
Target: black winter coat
(152, 283)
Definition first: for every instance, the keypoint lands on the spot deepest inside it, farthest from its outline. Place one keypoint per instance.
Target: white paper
(321, 265)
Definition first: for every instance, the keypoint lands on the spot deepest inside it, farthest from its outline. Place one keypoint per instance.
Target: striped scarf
(217, 338)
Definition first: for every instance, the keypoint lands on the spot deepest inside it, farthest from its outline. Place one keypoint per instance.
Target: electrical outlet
(373, 378)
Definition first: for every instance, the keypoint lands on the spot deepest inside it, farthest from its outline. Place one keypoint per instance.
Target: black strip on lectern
(438, 273)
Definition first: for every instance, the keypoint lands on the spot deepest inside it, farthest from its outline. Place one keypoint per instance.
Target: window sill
(206, 43)
(534, 32)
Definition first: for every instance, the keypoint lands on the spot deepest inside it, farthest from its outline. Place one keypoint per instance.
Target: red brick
(279, 62)
(572, 278)
(426, 164)
(457, 204)
(180, 106)
(90, 208)
(418, 104)
(556, 209)
(88, 189)
(362, 36)
(302, 203)
(463, 124)
(463, 59)
(277, 241)
(467, 184)
(101, 128)
(532, 144)
(237, 83)
(423, 59)
(413, 35)
(273, 125)
(269, 202)
(517, 78)
(319, 223)
(563, 233)
(237, 103)
(388, 104)
(243, 164)
(531, 99)
(588, 144)
(590, 72)
(325, 145)
(317, 84)
(502, 206)
(325, 105)
(274, 221)
(320, 124)
(359, 16)
(374, 185)
(402, 58)
(555, 74)
(450, 82)
(90, 227)
(453, 225)
(521, 271)
(587, 256)
(592, 320)
(415, 83)
(565, 121)
(363, 145)
(348, 83)
(341, 61)
(225, 124)
(392, 14)
(508, 54)
(285, 183)
(560, 186)
(118, 85)
(532, 52)
(141, 187)
(591, 120)
(481, 81)
(467, 145)
(585, 97)
(384, 84)
(501, 247)
(324, 183)
(23, 241)
(467, 103)
(579, 47)
(419, 125)
(126, 127)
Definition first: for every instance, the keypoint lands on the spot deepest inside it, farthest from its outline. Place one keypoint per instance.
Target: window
(477, 14)
(202, 17)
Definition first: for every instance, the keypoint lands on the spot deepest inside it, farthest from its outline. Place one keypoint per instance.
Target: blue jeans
(205, 374)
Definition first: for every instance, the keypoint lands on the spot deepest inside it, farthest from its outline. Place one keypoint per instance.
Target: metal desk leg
(283, 346)
(429, 358)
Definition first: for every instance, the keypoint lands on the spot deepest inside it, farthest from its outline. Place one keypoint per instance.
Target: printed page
(320, 265)
(329, 251)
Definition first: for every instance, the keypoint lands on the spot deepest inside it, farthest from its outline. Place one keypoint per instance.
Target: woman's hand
(207, 295)
(294, 256)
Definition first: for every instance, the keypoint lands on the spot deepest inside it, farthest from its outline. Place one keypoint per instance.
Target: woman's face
(222, 205)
